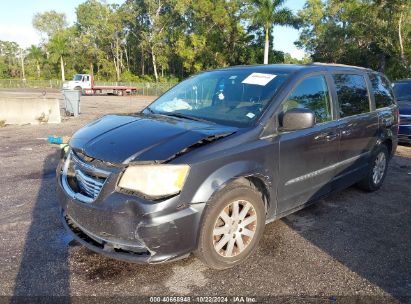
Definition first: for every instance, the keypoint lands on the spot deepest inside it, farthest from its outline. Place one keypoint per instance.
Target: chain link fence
(30, 84)
(143, 88)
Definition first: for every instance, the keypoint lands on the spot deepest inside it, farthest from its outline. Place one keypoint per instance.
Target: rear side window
(382, 91)
(352, 94)
(312, 94)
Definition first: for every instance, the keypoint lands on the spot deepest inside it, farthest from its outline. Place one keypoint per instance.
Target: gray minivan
(205, 166)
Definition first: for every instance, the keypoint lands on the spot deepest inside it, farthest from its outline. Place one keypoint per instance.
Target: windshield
(232, 97)
(402, 90)
(77, 77)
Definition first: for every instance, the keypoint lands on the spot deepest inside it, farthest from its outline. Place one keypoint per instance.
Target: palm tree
(36, 54)
(58, 47)
(268, 13)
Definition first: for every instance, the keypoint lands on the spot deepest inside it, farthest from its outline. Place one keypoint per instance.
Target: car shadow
(367, 232)
(44, 271)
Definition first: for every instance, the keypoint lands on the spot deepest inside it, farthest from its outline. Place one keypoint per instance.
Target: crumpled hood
(140, 137)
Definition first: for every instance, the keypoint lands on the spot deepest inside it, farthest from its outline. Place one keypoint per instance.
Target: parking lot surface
(351, 245)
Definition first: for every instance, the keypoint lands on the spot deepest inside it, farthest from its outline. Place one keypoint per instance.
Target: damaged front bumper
(131, 228)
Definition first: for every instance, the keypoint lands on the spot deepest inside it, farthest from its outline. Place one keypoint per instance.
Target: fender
(383, 136)
(228, 173)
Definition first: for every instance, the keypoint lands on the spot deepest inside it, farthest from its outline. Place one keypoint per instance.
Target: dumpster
(72, 102)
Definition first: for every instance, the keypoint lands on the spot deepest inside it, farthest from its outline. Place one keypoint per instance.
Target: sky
(16, 17)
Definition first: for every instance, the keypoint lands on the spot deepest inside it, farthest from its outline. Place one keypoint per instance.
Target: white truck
(85, 83)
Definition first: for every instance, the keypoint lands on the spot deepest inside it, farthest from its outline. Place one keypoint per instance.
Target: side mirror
(297, 119)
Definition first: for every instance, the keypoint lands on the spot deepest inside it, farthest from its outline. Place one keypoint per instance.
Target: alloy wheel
(379, 167)
(234, 228)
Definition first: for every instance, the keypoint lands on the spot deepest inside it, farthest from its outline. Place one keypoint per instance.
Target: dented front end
(128, 225)
(122, 225)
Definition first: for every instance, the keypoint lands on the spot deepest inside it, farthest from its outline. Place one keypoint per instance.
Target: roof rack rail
(337, 65)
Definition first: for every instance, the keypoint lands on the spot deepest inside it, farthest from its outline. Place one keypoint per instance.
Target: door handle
(346, 132)
(328, 136)
(331, 137)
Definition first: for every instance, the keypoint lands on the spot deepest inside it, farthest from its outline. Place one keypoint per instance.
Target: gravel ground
(354, 246)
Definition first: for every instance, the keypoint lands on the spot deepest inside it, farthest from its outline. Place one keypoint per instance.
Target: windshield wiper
(182, 115)
(150, 110)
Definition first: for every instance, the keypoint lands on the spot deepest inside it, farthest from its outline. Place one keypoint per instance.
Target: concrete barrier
(23, 110)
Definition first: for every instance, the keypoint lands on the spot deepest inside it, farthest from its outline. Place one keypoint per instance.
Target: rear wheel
(232, 227)
(377, 171)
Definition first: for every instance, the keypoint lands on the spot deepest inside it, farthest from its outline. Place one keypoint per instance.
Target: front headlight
(155, 180)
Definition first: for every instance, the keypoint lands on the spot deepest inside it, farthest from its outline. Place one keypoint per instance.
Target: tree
(36, 54)
(146, 40)
(212, 35)
(22, 57)
(10, 54)
(268, 13)
(54, 26)
(58, 46)
(367, 33)
(91, 19)
(49, 22)
(156, 21)
(102, 36)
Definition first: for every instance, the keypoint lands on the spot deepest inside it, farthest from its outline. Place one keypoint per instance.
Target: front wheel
(377, 171)
(232, 226)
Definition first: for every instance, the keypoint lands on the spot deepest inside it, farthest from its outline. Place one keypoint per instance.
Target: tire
(377, 170)
(246, 198)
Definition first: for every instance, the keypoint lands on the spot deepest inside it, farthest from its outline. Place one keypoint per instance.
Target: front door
(307, 158)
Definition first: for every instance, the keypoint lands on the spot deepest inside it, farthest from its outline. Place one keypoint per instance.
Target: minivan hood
(140, 137)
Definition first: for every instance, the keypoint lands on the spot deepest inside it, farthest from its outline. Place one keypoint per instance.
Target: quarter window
(352, 94)
(312, 94)
(382, 91)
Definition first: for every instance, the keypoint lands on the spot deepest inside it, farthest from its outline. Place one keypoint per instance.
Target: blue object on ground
(55, 140)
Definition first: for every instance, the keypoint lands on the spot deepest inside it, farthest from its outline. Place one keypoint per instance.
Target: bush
(169, 79)
(127, 76)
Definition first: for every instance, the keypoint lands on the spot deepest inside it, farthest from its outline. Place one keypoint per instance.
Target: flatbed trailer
(85, 83)
(114, 90)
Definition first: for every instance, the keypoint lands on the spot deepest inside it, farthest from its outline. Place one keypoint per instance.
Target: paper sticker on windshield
(259, 79)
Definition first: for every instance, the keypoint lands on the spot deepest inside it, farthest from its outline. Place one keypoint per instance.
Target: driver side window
(312, 94)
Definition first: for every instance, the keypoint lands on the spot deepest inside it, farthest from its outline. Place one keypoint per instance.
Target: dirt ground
(354, 246)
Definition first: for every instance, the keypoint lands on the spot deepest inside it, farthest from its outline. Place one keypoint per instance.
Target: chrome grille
(90, 185)
(81, 180)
